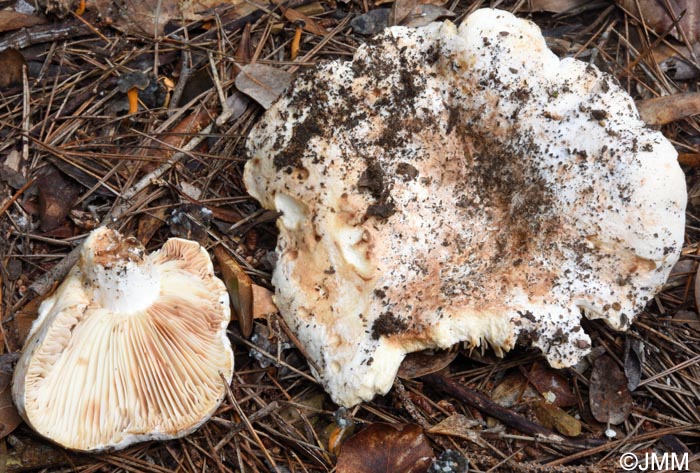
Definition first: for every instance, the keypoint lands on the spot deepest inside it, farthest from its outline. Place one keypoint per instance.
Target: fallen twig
(44, 34)
(508, 417)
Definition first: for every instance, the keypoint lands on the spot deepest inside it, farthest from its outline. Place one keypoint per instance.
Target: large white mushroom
(460, 185)
(130, 347)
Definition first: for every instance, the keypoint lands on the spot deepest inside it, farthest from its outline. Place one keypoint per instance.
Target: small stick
(44, 34)
(508, 417)
(185, 74)
(219, 90)
(25, 113)
(409, 406)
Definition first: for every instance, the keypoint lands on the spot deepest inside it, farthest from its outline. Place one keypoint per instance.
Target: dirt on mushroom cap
(460, 185)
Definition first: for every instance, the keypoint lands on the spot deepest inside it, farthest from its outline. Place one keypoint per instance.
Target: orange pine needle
(81, 8)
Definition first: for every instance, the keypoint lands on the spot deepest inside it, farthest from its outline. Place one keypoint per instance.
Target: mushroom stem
(124, 279)
(133, 95)
(295, 42)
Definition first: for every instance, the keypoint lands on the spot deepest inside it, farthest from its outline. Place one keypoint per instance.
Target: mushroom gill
(131, 347)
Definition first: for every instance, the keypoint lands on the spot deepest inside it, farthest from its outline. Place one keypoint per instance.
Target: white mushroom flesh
(130, 347)
(460, 185)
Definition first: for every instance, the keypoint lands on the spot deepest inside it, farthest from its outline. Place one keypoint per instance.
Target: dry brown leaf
(56, 197)
(553, 417)
(11, 65)
(688, 317)
(240, 289)
(675, 60)
(141, 17)
(372, 22)
(244, 51)
(551, 385)
(87, 178)
(417, 13)
(439, 3)
(25, 317)
(176, 137)
(460, 426)
(634, 361)
(554, 6)
(673, 444)
(425, 362)
(33, 455)
(689, 159)
(12, 168)
(302, 409)
(306, 23)
(423, 15)
(12, 20)
(681, 271)
(9, 418)
(149, 224)
(512, 390)
(149, 17)
(657, 16)
(664, 110)
(696, 291)
(400, 11)
(609, 397)
(84, 220)
(386, 448)
(262, 83)
(226, 214)
(311, 9)
(263, 305)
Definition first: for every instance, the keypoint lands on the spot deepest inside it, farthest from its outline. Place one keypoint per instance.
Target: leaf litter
(610, 399)
(129, 170)
(400, 448)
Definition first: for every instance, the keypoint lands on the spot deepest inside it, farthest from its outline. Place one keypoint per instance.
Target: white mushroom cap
(130, 347)
(460, 184)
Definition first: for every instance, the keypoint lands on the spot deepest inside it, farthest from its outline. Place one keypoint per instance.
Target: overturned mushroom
(131, 347)
(460, 184)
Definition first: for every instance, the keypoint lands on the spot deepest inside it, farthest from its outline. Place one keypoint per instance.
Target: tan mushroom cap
(131, 347)
(460, 185)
